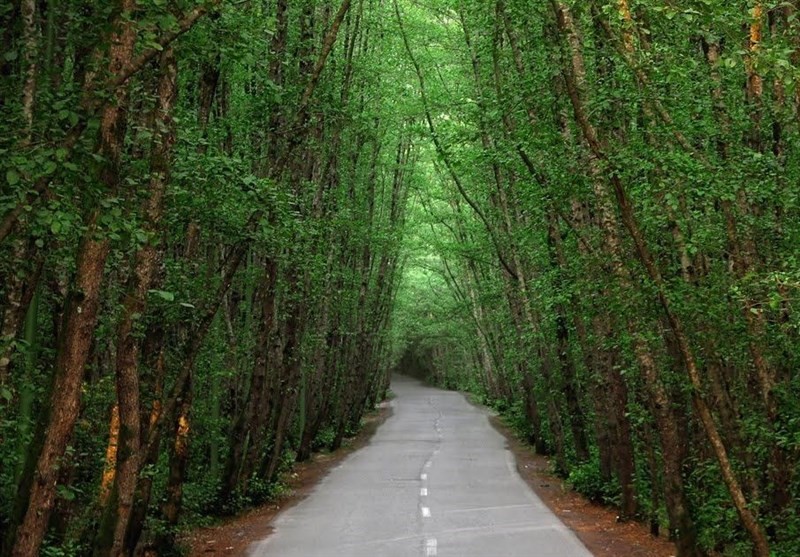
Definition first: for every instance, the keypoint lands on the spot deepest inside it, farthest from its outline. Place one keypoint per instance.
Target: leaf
(167, 22)
(65, 493)
(12, 177)
(164, 295)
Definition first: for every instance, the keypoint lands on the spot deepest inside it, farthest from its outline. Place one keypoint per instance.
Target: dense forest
(223, 222)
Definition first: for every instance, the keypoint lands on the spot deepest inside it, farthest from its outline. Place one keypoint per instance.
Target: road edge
(233, 536)
(595, 525)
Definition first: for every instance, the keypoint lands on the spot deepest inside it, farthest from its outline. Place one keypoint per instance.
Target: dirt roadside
(594, 524)
(233, 536)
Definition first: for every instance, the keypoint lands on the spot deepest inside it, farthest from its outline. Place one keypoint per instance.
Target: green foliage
(516, 418)
(324, 439)
(524, 284)
(586, 479)
(56, 548)
(504, 259)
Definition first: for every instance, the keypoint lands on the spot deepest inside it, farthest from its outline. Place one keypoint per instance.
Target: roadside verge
(595, 525)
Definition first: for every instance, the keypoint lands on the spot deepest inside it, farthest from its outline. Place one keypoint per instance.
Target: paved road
(436, 480)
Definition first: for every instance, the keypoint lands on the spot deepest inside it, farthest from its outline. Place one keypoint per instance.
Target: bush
(324, 439)
(586, 479)
(516, 418)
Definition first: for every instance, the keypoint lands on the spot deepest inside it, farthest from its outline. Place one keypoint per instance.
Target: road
(436, 480)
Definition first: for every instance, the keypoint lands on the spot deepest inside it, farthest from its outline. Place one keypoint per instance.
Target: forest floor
(233, 536)
(596, 525)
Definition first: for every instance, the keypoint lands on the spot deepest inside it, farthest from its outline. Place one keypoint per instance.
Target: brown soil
(233, 536)
(594, 524)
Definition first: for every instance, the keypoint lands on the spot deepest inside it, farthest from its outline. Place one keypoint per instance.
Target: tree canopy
(223, 223)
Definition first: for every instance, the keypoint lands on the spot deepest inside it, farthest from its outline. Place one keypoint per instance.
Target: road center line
(426, 512)
(423, 477)
(431, 547)
(484, 509)
(423, 492)
(505, 529)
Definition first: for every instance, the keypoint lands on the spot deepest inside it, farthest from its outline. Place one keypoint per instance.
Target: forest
(224, 223)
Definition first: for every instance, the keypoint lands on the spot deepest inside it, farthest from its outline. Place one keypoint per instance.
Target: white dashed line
(426, 512)
(431, 548)
(423, 492)
(485, 509)
(428, 464)
(423, 477)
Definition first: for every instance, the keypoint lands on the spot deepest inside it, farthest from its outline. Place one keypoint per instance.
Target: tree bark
(81, 312)
(134, 305)
(575, 79)
(30, 39)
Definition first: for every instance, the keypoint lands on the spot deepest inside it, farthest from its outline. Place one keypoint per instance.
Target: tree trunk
(134, 304)
(575, 78)
(80, 315)
(178, 465)
(291, 362)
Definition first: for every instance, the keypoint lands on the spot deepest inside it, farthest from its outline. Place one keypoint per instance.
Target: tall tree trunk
(134, 305)
(30, 39)
(252, 421)
(290, 382)
(575, 78)
(81, 312)
(178, 466)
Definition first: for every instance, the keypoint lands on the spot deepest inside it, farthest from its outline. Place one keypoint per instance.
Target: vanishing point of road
(436, 480)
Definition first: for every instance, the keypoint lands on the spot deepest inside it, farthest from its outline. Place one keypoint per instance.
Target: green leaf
(12, 177)
(164, 295)
(65, 493)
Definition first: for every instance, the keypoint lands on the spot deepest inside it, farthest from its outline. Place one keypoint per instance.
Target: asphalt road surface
(436, 480)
